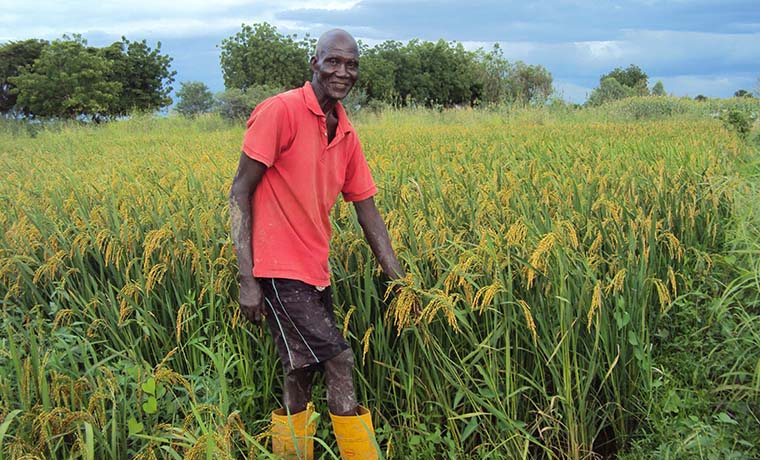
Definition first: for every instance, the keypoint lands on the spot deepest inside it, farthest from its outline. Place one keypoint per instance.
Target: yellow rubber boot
(355, 435)
(294, 439)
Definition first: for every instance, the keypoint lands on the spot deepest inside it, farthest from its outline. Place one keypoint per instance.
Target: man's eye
(333, 61)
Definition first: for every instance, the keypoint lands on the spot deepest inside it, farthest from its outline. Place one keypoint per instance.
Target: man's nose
(342, 71)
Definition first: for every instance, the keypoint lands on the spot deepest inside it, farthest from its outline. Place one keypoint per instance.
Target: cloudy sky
(692, 46)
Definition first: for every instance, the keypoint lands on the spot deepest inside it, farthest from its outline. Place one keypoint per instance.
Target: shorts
(302, 322)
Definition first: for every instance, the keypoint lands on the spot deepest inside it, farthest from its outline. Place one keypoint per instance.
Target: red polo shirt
(291, 224)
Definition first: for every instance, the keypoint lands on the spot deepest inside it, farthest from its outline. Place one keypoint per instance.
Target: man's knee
(341, 399)
(343, 360)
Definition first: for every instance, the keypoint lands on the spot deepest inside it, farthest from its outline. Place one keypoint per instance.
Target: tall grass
(542, 252)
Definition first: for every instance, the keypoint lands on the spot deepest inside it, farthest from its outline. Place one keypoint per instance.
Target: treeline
(416, 73)
(66, 78)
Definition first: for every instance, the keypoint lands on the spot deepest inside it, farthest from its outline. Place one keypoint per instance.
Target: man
(299, 153)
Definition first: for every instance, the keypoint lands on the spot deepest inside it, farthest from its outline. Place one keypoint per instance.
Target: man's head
(335, 65)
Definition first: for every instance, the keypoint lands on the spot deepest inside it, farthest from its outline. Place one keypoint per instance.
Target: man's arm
(247, 178)
(377, 236)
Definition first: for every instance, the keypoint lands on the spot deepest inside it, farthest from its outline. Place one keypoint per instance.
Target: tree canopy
(14, 58)
(66, 78)
(418, 72)
(621, 83)
(67, 81)
(194, 98)
(658, 89)
(145, 76)
(742, 93)
(259, 55)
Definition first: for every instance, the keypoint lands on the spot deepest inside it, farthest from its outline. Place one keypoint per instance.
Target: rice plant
(541, 257)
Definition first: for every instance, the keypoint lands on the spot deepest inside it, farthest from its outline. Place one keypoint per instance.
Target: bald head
(333, 38)
(335, 67)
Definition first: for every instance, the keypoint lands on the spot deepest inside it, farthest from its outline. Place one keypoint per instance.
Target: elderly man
(299, 153)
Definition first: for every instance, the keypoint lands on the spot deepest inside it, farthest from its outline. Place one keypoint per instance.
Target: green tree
(502, 81)
(377, 70)
(658, 89)
(632, 77)
(494, 73)
(742, 93)
(700, 98)
(609, 90)
(68, 80)
(420, 72)
(194, 98)
(14, 57)
(445, 74)
(234, 104)
(529, 83)
(144, 73)
(620, 83)
(259, 55)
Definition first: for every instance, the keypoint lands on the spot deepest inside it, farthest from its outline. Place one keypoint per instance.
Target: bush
(235, 105)
(739, 121)
(194, 99)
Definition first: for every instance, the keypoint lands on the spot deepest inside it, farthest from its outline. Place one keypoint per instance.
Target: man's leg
(341, 398)
(296, 390)
(292, 426)
(351, 422)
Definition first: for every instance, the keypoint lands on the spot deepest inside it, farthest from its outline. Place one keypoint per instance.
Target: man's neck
(325, 103)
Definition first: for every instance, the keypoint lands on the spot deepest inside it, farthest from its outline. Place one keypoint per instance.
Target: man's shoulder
(290, 98)
(279, 104)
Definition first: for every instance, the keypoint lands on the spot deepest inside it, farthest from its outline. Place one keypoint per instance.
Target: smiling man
(299, 153)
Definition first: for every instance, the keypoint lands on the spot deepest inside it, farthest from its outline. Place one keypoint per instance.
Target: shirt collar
(313, 105)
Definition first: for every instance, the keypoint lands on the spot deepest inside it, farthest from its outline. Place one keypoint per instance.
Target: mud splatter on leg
(341, 398)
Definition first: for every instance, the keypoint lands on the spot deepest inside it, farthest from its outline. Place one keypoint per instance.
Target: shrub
(235, 104)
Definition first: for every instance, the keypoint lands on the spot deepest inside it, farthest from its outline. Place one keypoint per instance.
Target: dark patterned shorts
(301, 320)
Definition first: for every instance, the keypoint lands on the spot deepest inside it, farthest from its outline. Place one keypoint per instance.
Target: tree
(609, 90)
(377, 73)
(529, 83)
(658, 89)
(700, 98)
(742, 93)
(502, 81)
(259, 55)
(494, 73)
(144, 73)
(632, 77)
(194, 99)
(68, 80)
(234, 104)
(14, 57)
(620, 83)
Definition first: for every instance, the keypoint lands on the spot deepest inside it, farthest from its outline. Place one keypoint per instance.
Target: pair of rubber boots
(293, 437)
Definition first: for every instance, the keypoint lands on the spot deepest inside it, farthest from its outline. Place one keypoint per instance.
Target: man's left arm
(376, 234)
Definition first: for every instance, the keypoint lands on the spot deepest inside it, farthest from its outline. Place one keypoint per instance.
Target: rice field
(544, 254)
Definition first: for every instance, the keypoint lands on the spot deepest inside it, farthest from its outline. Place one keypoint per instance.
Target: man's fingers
(253, 313)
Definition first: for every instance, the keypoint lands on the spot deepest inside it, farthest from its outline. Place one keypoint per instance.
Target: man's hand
(251, 300)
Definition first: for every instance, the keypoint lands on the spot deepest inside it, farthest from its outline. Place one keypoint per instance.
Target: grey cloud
(533, 21)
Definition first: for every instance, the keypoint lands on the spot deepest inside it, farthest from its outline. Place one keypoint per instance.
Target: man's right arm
(247, 178)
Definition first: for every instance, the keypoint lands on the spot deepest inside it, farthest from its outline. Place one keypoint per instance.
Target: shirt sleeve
(359, 184)
(268, 131)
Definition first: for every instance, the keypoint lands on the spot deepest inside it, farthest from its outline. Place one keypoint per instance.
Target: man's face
(336, 68)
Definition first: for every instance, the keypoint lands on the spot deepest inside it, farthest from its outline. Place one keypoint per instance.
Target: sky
(692, 46)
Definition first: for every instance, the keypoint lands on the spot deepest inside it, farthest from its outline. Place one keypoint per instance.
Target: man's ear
(313, 62)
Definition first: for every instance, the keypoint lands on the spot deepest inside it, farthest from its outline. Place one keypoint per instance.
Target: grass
(565, 268)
